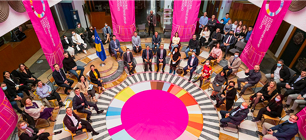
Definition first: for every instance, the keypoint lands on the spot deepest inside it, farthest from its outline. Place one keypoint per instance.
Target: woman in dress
(242, 33)
(95, 78)
(45, 92)
(86, 88)
(273, 109)
(216, 53)
(175, 41)
(206, 72)
(204, 36)
(26, 76)
(217, 84)
(175, 59)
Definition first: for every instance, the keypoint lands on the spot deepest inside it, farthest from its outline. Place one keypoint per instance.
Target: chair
(76, 133)
(81, 115)
(170, 46)
(239, 46)
(126, 69)
(237, 126)
(144, 32)
(54, 85)
(51, 101)
(266, 117)
(167, 31)
(26, 117)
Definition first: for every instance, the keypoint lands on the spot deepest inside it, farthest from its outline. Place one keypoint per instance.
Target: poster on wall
(123, 19)
(268, 21)
(46, 31)
(185, 17)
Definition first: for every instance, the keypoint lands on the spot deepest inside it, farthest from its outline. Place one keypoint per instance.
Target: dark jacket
(164, 55)
(285, 132)
(77, 102)
(156, 40)
(144, 55)
(68, 63)
(303, 92)
(25, 136)
(69, 124)
(276, 109)
(231, 94)
(58, 78)
(25, 76)
(211, 24)
(125, 58)
(154, 19)
(219, 79)
(284, 72)
(11, 85)
(216, 36)
(113, 46)
(238, 116)
(193, 44)
(10, 94)
(93, 77)
(265, 92)
(253, 77)
(231, 42)
(195, 62)
(299, 85)
(65, 44)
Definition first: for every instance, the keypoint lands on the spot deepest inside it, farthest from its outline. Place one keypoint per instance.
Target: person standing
(203, 21)
(136, 43)
(152, 22)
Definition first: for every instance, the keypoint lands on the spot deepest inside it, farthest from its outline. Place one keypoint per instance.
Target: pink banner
(268, 21)
(302, 122)
(185, 16)
(8, 117)
(123, 19)
(44, 26)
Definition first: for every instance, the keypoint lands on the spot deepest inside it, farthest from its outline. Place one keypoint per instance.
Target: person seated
(115, 47)
(107, 33)
(217, 84)
(136, 42)
(227, 27)
(273, 109)
(161, 58)
(215, 38)
(13, 84)
(147, 57)
(175, 41)
(228, 41)
(252, 79)
(248, 34)
(220, 26)
(128, 61)
(36, 111)
(238, 29)
(13, 97)
(212, 23)
(279, 72)
(44, 91)
(234, 26)
(175, 59)
(192, 46)
(205, 75)
(68, 46)
(266, 93)
(86, 88)
(80, 104)
(216, 53)
(242, 34)
(284, 131)
(156, 39)
(228, 94)
(295, 85)
(235, 116)
(79, 42)
(95, 78)
(70, 65)
(26, 77)
(80, 30)
(91, 34)
(74, 123)
(233, 64)
(299, 99)
(61, 79)
(28, 132)
(192, 64)
(204, 36)
(203, 21)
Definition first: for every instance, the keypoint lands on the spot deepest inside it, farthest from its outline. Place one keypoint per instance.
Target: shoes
(94, 133)
(223, 125)
(213, 97)
(289, 111)
(186, 58)
(250, 105)
(240, 94)
(85, 51)
(61, 104)
(259, 133)
(89, 120)
(68, 93)
(99, 112)
(255, 120)
(286, 106)
(57, 132)
(252, 110)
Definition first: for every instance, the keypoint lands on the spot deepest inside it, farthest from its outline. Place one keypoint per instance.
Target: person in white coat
(80, 44)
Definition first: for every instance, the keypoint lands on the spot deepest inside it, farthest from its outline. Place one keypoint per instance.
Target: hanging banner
(185, 16)
(302, 121)
(123, 19)
(46, 31)
(268, 21)
(8, 117)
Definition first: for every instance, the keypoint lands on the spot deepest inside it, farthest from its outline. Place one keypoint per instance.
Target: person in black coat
(14, 85)
(70, 65)
(252, 79)
(227, 42)
(192, 64)
(68, 45)
(235, 116)
(128, 61)
(12, 97)
(161, 58)
(295, 85)
(147, 57)
(95, 78)
(91, 35)
(156, 39)
(228, 94)
(215, 38)
(26, 76)
(273, 109)
(61, 79)
(80, 104)
(279, 72)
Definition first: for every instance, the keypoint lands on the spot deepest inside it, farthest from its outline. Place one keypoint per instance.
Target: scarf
(29, 131)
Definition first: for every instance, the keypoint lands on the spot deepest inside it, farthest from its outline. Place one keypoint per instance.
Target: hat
(297, 5)
(4, 11)
(17, 6)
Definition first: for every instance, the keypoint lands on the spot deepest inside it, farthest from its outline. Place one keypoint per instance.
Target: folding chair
(76, 133)
(266, 117)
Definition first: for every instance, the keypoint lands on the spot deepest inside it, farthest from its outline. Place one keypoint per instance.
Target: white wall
(77, 5)
(205, 6)
(168, 3)
(225, 8)
(15, 19)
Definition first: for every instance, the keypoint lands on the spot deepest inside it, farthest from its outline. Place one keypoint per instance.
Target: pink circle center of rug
(154, 115)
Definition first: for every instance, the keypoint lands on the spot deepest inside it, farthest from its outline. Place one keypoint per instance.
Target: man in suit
(295, 85)
(192, 64)
(285, 131)
(147, 56)
(235, 116)
(115, 46)
(279, 72)
(252, 79)
(298, 100)
(161, 57)
(192, 45)
(215, 38)
(80, 104)
(136, 43)
(233, 64)
(61, 79)
(68, 46)
(151, 21)
(228, 40)
(155, 42)
(74, 123)
(128, 61)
